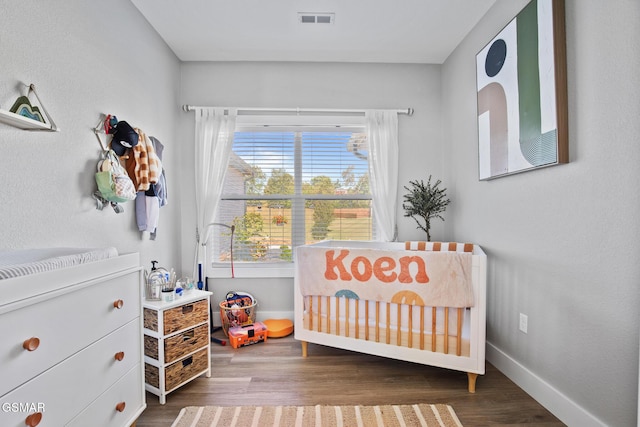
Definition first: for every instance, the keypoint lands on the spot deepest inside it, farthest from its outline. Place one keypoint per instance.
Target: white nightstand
(177, 342)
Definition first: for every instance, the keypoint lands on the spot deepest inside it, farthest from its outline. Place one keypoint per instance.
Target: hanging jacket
(148, 202)
(160, 188)
(147, 167)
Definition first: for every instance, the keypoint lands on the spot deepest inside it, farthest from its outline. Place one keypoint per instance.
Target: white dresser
(72, 354)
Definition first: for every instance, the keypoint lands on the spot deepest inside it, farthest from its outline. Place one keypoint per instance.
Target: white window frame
(317, 123)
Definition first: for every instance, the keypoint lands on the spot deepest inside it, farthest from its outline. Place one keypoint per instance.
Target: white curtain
(382, 132)
(213, 141)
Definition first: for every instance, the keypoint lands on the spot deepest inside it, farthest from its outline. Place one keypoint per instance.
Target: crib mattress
(16, 263)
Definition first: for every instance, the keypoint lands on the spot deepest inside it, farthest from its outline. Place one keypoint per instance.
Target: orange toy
(254, 333)
(278, 328)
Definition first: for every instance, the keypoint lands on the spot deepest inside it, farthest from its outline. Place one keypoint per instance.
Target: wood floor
(274, 373)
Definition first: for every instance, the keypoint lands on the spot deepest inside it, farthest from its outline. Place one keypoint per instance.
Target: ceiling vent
(316, 18)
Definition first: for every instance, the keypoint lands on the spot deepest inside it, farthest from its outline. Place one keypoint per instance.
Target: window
(291, 183)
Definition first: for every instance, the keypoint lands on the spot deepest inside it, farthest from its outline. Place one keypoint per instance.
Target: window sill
(252, 271)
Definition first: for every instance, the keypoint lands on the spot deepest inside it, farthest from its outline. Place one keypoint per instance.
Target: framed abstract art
(522, 93)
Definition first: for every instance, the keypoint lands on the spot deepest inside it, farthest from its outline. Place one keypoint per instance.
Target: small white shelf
(22, 122)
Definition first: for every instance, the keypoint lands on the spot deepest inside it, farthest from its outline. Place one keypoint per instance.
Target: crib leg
(472, 381)
(304, 348)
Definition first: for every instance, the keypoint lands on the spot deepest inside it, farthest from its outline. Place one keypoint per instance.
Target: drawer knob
(120, 407)
(119, 356)
(118, 304)
(33, 419)
(31, 344)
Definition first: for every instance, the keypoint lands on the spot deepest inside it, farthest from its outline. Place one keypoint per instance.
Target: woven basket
(238, 312)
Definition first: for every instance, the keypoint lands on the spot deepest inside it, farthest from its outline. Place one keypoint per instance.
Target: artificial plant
(425, 201)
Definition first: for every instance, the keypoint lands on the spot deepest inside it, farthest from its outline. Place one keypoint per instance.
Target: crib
(422, 302)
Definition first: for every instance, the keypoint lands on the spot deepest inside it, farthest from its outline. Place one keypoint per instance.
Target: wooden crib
(403, 327)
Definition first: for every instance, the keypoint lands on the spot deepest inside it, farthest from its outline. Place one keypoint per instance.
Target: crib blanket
(438, 279)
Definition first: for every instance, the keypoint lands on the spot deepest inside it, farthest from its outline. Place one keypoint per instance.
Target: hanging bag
(113, 181)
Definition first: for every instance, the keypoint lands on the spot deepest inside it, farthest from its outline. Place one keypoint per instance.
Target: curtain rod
(408, 111)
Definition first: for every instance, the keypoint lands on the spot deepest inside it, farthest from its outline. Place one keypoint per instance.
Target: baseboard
(557, 403)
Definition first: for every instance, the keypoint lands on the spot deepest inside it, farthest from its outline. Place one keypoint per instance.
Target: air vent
(315, 18)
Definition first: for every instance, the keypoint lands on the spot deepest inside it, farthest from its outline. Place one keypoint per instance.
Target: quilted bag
(113, 181)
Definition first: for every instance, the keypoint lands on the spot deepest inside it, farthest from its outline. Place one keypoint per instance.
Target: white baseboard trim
(557, 403)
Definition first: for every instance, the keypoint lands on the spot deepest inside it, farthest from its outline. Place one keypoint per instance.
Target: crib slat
(377, 321)
(346, 317)
(337, 315)
(310, 300)
(446, 330)
(421, 327)
(366, 320)
(410, 342)
(319, 316)
(388, 325)
(328, 315)
(319, 313)
(357, 303)
(433, 328)
(459, 333)
(399, 333)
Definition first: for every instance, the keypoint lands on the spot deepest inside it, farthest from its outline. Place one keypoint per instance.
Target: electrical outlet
(524, 320)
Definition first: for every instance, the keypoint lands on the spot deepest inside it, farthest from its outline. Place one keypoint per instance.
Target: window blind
(289, 186)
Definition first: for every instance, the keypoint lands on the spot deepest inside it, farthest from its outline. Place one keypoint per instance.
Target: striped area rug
(318, 416)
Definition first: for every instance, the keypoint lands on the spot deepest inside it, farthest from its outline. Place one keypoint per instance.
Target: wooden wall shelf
(22, 122)
(25, 123)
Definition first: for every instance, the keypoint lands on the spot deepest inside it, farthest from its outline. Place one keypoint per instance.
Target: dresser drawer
(64, 325)
(178, 372)
(70, 386)
(177, 318)
(178, 345)
(119, 406)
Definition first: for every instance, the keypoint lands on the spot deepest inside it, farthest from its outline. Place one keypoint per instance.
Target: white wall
(85, 58)
(316, 85)
(562, 242)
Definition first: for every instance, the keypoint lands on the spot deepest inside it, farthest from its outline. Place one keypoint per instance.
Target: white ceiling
(392, 31)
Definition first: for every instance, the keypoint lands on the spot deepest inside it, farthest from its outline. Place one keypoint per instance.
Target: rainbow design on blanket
(402, 297)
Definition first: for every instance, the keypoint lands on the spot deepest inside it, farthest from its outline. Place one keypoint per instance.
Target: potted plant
(425, 201)
(279, 220)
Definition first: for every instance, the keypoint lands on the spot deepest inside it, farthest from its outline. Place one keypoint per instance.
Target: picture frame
(521, 79)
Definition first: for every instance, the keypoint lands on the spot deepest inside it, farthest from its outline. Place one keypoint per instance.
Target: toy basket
(237, 312)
